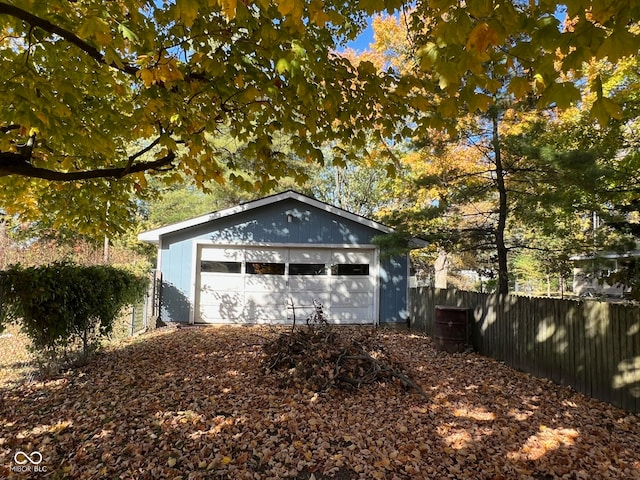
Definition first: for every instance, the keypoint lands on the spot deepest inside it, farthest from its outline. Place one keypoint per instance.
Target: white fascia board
(153, 236)
(340, 212)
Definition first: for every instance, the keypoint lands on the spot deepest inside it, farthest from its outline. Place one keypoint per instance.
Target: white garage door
(252, 285)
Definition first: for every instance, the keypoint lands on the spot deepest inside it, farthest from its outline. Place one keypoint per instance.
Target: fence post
(145, 311)
(133, 320)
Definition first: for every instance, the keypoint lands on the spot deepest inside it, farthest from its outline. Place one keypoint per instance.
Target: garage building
(250, 263)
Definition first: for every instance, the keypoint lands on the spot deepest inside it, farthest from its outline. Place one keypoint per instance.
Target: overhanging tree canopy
(99, 90)
(97, 93)
(486, 58)
(467, 50)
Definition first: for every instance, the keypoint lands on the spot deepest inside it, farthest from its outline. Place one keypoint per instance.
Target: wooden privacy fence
(591, 346)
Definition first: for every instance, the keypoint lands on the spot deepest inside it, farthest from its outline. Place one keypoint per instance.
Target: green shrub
(66, 309)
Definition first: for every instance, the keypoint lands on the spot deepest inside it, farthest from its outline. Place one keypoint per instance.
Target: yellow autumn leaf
(172, 462)
(186, 11)
(317, 13)
(428, 55)
(225, 460)
(448, 107)
(282, 65)
(291, 8)
(538, 82)
(479, 101)
(519, 87)
(613, 108)
(286, 7)
(604, 109)
(168, 71)
(228, 8)
(141, 180)
(146, 76)
(482, 37)
(97, 28)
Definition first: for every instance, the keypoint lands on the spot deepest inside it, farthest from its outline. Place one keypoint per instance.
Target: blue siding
(394, 289)
(269, 225)
(177, 265)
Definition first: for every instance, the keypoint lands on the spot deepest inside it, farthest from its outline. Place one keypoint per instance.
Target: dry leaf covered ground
(195, 404)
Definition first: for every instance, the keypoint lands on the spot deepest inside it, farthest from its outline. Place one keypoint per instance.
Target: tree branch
(16, 164)
(8, 128)
(47, 26)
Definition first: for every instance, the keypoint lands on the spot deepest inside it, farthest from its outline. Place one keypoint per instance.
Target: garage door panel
(271, 255)
(207, 316)
(352, 284)
(313, 284)
(350, 315)
(257, 312)
(304, 300)
(265, 283)
(346, 299)
(216, 297)
(211, 282)
(227, 308)
(221, 254)
(351, 256)
(270, 298)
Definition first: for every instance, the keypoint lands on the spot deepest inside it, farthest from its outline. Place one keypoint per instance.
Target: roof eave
(153, 236)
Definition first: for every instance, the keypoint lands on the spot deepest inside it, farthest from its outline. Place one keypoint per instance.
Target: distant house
(590, 270)
(245, 263)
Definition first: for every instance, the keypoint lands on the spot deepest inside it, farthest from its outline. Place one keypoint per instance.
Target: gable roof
(153, 236)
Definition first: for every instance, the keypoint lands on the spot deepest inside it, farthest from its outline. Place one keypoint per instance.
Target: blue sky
(362, 42)
(366, 37)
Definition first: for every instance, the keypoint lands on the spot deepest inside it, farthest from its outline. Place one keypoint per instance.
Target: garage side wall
(284, 223)
(176, 264)
(394, 289)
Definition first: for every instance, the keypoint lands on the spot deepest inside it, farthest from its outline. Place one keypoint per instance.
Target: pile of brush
(322, 356)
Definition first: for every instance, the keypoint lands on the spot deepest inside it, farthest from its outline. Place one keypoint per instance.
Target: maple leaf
(482, 37)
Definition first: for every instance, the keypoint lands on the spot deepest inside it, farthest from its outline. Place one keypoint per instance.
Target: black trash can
(451, 329)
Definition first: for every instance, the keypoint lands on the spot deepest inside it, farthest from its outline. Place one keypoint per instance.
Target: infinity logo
(21, 458)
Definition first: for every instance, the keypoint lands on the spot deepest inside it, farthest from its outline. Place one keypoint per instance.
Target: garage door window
(307, 269)
(265, 268)
(350, 269)
(208, 266)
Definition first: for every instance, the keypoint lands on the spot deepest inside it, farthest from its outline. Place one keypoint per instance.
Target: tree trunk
(440, 267)
(105, 250)
(503, 269)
